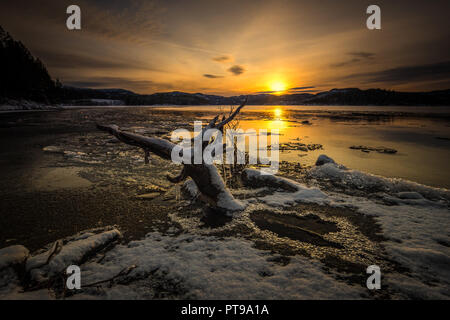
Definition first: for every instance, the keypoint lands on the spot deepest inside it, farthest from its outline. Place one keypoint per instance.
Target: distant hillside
(349, 96)
(379, 97)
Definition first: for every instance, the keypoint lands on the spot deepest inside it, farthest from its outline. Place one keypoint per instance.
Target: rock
(303, 148)
(378, 149)
(13, 255)
(322, 159)
(113, 140)
(74, 153)
(154, 188)
(298, 146)
(314, 146)
(53, 149)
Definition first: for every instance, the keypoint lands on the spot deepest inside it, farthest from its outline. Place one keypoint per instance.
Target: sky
(237, 47)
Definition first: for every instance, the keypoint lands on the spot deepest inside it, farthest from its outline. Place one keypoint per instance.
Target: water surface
(421, 136)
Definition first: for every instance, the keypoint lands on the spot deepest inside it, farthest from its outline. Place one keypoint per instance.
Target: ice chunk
(13, 255)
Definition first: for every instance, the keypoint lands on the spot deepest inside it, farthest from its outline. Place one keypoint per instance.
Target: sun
(277, 86)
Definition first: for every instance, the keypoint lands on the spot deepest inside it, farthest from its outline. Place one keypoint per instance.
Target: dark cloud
(406, 74)
(222, 59)
(134, 20)
(236, 70)
(356, 57)
(289, 91)
(304, 91)
(362, 55)
(212, 76)
(345, 63)
(266, 92)
(302, 88)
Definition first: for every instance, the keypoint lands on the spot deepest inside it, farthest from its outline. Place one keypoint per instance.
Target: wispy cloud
(304, 91)
(302, 88)
(212, 76)
(355, 58)
(222, 59)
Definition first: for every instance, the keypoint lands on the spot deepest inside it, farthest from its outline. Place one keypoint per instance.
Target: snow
(302, 193)
(414, 219)
(417, 238)
(191, 188)
(22, 105)
(72, 253)
(357, 180)
(212, 268)
(262, 178)
(12, 255)
(225, 199)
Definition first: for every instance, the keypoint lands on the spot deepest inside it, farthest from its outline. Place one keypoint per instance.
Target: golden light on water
(277, 122)
(278, 112)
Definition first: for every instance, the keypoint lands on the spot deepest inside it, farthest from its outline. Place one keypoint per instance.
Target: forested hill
(22, 76)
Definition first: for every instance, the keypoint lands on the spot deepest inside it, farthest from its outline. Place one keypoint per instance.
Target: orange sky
(237, 47)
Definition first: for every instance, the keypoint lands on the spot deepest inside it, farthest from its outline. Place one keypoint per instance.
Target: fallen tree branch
(206, 177)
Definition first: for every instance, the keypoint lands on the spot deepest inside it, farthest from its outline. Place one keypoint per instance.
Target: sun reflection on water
(277, 122)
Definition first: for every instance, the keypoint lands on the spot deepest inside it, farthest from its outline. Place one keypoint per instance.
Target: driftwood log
(206, 176)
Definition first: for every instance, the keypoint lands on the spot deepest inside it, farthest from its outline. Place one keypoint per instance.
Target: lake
(421, 136)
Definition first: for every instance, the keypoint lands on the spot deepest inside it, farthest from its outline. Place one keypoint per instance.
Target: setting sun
(277, 86)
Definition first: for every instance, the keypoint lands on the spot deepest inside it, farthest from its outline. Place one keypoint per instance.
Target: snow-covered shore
(25, 105)
(413, 218)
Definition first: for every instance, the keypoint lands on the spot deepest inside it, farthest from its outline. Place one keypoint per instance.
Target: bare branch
(221, 125)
